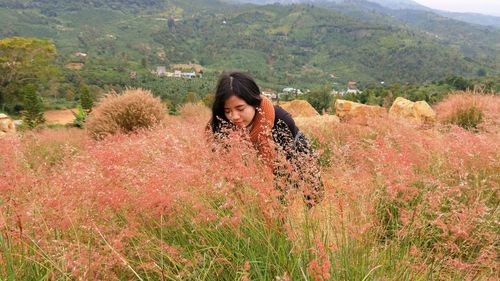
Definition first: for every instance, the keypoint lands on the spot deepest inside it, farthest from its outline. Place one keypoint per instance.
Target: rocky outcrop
(361, 113)
(299, 108)
(6, 125)
(419, 111)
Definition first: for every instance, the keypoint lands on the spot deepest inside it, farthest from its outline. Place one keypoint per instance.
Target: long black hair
(230, 84)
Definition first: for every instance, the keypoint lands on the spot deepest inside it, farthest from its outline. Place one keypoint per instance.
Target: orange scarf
(261, 132)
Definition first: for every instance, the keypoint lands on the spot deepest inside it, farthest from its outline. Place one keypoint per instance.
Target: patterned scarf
(261, 132)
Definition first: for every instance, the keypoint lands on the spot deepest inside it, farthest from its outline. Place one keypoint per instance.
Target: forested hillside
(304, 46)
(279, 44)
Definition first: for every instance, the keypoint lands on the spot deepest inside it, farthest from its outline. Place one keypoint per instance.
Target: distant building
(292, 91)
(352, 85)
(269, 93)
(188, 67)
(81, 55)
(161, 71)
(352, 88)
(353, 91)
(189, 75)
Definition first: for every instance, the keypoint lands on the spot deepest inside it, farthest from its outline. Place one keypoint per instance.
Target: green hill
(280, 45)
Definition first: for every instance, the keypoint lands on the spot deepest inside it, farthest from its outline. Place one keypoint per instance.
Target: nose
(234, 116)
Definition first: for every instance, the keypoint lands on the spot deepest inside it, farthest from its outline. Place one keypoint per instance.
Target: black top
(297, 148)
(282, 116)
(287, 135)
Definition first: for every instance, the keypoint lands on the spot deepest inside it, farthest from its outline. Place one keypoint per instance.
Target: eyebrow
(238, 106)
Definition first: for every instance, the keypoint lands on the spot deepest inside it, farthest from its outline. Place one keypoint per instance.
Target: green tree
(459, 83)
(24, 62)
(33, 113)
(80, 116)
(85, 99)
(320, 98)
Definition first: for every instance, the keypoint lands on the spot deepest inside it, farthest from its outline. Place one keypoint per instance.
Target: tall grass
(401, 203)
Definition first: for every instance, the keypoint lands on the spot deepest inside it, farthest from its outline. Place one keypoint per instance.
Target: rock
(6, 124)
(419, 111)
(348, 110)
(424, 112)
(299, 108)
(18, 123)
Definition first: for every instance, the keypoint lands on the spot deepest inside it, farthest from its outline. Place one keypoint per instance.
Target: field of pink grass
(402, 202)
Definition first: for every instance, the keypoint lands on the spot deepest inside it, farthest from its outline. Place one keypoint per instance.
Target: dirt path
(62, 117)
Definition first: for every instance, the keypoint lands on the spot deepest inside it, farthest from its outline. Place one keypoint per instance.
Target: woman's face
(238, 111)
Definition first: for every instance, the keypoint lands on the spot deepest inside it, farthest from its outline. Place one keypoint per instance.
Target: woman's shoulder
(281, 113)
(283, 117)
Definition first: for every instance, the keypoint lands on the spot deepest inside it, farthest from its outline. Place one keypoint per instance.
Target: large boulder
(6, 124)
(299, 108)
(348, 110)
(419, 111)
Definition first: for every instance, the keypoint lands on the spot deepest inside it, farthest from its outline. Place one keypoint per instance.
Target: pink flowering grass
(401, 203)
(471, 110)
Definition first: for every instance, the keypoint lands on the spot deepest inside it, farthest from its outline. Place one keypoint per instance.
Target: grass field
(402, 202)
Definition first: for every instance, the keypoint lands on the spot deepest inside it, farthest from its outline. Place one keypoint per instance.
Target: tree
(33, 113)
(24, 62)
(85, 99)
(320, 98)
(459, 83)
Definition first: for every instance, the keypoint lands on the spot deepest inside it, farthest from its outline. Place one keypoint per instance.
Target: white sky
(489, 7)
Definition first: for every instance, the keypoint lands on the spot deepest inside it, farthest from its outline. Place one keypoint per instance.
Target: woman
(239, 104)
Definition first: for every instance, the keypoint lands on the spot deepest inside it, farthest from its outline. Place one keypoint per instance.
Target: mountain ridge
(474, 18)
(279, 44)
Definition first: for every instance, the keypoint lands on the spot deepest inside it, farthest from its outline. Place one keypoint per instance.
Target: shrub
(193, 110)
(85, 99)
(468, 117)
(48, 148)
(471, 110)
(33, 114)
(132, 110)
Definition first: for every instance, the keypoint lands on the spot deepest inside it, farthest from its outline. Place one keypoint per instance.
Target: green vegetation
(85, 99)
(400, 204)
(296, 46)
(26, 64)
(33, 111)
(467, 118)
(80, 116)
